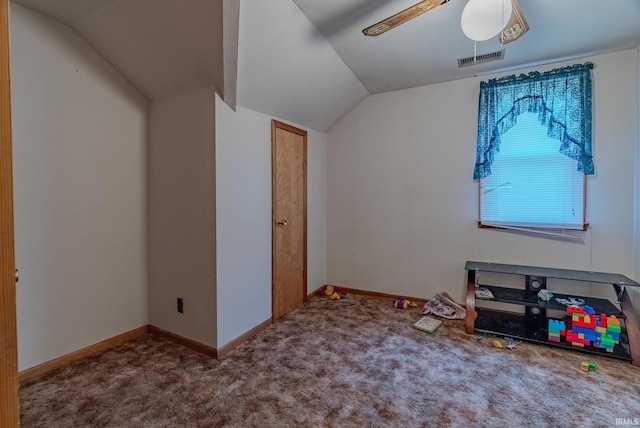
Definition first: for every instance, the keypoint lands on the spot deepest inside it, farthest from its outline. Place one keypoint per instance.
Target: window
(534, 149)
(531, 183)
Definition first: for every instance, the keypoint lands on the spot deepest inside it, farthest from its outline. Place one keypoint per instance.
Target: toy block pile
(587, 329)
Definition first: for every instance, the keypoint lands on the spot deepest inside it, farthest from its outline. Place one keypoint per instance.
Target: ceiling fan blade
(402, 17)
(516, 26)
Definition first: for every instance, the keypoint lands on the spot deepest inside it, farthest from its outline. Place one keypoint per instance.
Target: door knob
(282, 223)
(17, 275)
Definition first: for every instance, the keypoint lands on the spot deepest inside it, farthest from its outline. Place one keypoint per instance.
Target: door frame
(275, 125)
(9, 398)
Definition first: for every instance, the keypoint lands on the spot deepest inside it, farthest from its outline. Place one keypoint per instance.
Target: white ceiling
(425, 50)
(163, 47)
(307, 61)
(288, 70)
(270, 54)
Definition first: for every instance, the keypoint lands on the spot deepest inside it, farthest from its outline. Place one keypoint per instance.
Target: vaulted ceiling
(425, 50)
(162, 47)
(307, 61)
(288, 70)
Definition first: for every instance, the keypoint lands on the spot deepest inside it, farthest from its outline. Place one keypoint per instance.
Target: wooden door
(9, 404)
(289, 219)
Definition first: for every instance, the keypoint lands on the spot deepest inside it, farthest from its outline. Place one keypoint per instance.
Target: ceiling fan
(515, 28)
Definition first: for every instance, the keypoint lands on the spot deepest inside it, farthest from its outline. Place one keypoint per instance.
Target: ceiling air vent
(481, 59)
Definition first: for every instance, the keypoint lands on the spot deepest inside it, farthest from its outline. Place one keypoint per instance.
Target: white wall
(402, 206)
(182, 215)
(243, 217)
(636, 293)
(316, 209)
(79, 139)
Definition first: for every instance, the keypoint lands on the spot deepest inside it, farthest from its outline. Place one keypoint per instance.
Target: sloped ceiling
(425, 50)
(266, 52)
(306, 61)
(288, 70)
(163, 47)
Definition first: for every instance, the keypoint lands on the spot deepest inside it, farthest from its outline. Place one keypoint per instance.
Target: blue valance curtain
(562, 100)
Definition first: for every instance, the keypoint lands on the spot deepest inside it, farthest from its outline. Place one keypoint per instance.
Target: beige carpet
(352, 363)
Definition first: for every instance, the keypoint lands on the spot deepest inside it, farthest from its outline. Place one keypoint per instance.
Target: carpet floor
(350, 363)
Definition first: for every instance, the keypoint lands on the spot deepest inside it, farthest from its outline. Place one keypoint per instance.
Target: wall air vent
(481, 59)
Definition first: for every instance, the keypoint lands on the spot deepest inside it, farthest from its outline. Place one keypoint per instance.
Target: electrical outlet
(180, 305)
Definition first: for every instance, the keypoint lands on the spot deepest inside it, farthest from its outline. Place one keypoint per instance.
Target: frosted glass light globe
(484, 19)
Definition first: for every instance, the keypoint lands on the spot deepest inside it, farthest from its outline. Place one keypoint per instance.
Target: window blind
(532, 185)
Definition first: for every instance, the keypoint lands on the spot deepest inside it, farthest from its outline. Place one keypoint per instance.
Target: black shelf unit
(509, 324)
(532, 325)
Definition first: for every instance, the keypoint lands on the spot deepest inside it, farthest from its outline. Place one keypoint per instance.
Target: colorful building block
(556, 330)
(600, 331)
(575, 310)
(587, 366)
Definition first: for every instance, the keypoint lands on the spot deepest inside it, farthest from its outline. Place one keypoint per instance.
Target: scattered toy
(571, 301)
(403, 303)
(588, 366)
(483, 293)
(442, 305)
(511, 346)
(545, 295)
(334, 294)
(497, 344)
(478, 338)
(427, 324)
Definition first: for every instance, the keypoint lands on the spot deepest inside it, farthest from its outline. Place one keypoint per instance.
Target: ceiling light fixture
(484, 19)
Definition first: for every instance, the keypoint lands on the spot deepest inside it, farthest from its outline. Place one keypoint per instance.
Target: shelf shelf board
(570, 274)
(533, 330)
(530, 298)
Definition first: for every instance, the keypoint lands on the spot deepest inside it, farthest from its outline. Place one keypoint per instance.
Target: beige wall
(79, 138)
(636, 292)
(243, 203)
(182, 235)
(402, 206)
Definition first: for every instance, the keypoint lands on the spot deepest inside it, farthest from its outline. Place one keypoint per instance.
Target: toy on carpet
(442, 305)
(404, 303)
(512, 345)
(427, 324)
(333, 293)
(496, 343)
(588, 366)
